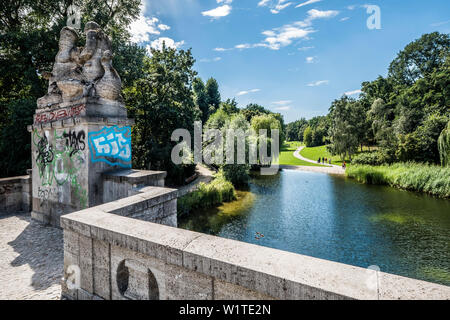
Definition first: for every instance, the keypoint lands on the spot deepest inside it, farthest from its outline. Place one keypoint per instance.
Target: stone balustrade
(111, 256)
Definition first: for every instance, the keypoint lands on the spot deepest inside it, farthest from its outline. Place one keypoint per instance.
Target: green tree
(162, 101)
(420, 58)
(308, 136)
(213, 95)
(345, 116)
(201, 98)
(444, 146)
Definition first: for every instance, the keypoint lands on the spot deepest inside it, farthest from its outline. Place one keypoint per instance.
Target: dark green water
(338, 219)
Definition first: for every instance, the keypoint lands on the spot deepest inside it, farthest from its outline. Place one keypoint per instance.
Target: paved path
(31, 259)
(327, 168)
(204, 175)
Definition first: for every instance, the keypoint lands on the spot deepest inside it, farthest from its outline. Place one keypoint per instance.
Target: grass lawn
(287, 155)
(315, 152)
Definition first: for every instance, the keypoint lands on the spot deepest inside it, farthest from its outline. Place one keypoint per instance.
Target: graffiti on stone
(75, 140)
(60, 114)
(111, 145)
(59, 162)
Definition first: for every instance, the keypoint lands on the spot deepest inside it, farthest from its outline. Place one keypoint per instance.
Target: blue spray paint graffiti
(111, 145)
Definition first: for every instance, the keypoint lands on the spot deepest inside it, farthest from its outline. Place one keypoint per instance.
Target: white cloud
(350, 93)
(283, 36)
(286, 34)
(318, 14)
(282, 102)
(306, 3)
(284, 108)
(310, 59)
(218, 12)
(222, 49)
(141, 28)
(274, 6)
(318, 83)
(211, 60)
(353, 6)
(225, 1)
(158, 44)
(438, 24)
(163, 27)
(305, 48)
(241, 93)
(344, 19)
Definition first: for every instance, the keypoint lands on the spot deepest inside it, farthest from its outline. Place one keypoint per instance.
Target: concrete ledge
(15, 194)
(237, 269)
(139, 177)
(124, 183)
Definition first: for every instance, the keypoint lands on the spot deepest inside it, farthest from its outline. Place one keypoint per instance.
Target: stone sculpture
(82, 73)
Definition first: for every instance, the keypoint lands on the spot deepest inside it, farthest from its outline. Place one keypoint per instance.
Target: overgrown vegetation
(419, 177)
(207, 195)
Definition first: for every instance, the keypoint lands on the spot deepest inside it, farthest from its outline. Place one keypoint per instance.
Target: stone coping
(134, 176)
(275, 273)
(14, 179)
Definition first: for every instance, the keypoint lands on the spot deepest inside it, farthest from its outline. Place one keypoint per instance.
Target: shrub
(207, 195)
(369, 158)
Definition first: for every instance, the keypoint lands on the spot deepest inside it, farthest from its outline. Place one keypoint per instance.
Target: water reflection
(338, 219)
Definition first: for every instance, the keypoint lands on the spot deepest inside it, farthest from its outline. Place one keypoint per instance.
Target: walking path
(31, 259)
(204, 175)
(327, 168)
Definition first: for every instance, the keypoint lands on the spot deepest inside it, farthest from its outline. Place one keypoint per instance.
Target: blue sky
(291, 56)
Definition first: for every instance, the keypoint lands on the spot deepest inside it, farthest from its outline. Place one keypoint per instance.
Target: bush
(237, 174)
(412, 176)
(370, 158)
(207, 195)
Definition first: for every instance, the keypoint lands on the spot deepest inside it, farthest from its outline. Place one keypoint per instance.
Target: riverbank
(418, 177)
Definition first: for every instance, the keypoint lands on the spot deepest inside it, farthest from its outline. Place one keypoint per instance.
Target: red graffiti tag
(59, 114)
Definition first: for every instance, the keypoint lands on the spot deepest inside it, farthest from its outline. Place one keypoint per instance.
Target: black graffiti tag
(44, 153)
(75, 141)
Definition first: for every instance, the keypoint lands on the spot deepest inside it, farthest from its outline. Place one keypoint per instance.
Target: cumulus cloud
(318, 83)
(241, 93)
(350, 93)
(306, 3)
(158, 44)
(310, 59)
(218, 12)
(141, 28)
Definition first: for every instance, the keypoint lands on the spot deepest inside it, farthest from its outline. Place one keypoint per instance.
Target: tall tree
(201, 98)
(162, 101)
(213, 95)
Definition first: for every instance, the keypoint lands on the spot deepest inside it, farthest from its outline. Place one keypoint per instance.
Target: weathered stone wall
(124, 183)
(108, 256)
(15, 194)
(68, 159)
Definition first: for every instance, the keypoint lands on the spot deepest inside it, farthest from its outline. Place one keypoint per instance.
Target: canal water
(338, 219)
